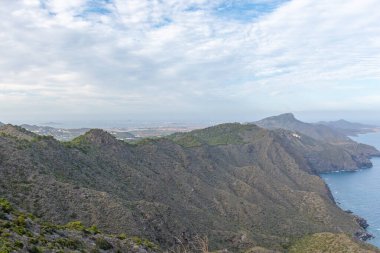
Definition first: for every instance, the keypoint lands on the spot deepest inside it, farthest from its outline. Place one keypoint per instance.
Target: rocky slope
(241, 185)
(23, 232)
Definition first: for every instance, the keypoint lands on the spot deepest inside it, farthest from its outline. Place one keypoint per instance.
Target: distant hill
(241, 185)
(65, 134)
(316, 131)
(1, 123)
(350, 128)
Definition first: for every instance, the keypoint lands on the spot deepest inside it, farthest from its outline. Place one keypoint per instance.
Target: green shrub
(92, 230)
(20, 221)
(31, 216)
(33, 240)
(75, 225)
(2, 215)
(19, 244)
(122, 236)
(103, 244)
(6, 235)
(69, 243)
(19, 230)
(144, 242)
(5, 205)
(34, 249)
(149, 244)
(5, 246)
(7, 224)
(137, 240)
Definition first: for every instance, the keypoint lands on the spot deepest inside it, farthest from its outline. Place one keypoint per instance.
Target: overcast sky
(223, 60)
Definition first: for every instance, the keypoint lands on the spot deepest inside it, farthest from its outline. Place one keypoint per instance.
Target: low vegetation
(20, 231)
(331, 243)
(219, 135)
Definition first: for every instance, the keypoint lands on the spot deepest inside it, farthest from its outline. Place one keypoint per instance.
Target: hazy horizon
(194, 62)
(311, 117)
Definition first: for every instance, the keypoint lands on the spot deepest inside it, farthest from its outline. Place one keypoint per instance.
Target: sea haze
(360, 191)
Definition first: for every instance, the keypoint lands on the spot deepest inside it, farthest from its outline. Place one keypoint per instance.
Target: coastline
(355, 193)
(362, 235)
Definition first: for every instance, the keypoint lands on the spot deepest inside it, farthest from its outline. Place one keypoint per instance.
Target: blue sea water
(360, 191)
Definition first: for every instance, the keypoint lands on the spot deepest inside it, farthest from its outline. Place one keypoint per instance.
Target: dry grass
(330, 243)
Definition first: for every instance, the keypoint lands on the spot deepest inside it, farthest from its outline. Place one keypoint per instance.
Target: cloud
(195, 59)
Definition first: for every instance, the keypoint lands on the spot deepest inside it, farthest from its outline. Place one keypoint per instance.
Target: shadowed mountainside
(241, 185)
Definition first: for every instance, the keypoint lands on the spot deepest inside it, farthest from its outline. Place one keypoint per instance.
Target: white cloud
(138, 56)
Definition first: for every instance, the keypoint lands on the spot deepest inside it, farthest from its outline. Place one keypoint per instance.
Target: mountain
(241, 185)
(349, 128)
(1, 123)
(330, 139)
(316, 131)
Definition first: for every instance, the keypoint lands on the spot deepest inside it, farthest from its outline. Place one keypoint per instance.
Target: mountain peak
(286, 116)
(317, 131)
(98, 136)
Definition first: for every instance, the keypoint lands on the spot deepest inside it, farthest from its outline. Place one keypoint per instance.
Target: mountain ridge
(234, 190)
(289, 122)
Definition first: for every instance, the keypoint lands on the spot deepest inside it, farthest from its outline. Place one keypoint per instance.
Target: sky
(188, 60)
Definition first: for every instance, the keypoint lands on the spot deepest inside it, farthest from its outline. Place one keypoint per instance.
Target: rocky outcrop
(363, 236)
(361, 221)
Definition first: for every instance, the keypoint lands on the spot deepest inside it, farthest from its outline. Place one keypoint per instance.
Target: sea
(359, 191)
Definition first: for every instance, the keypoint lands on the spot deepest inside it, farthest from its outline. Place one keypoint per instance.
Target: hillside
(331, 243)
(241, 185)
(320, 156)
(336, 146)
(289, 122)
(23, 232)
